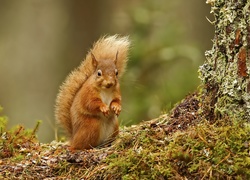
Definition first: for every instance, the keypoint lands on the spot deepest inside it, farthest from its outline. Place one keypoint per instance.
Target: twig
(209, 169)
(223, 159)
(202, 139)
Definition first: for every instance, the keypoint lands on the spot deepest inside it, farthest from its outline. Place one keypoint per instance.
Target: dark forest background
(41, 41)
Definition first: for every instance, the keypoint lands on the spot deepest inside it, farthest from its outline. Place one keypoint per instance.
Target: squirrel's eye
(116, 72)
(99, 72)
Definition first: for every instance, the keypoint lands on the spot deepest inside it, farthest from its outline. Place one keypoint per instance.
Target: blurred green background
(41, 41)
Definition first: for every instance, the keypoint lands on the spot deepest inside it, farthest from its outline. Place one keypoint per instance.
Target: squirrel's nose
(109, 84)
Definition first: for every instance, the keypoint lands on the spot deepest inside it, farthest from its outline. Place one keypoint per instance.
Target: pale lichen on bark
(227, 66)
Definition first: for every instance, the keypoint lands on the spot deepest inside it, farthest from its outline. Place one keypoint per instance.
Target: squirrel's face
(106, 74)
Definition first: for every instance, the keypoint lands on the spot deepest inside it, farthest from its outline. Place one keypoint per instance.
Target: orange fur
(88, 105)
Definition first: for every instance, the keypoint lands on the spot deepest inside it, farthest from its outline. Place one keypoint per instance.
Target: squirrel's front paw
(105, 110)
(116, 108)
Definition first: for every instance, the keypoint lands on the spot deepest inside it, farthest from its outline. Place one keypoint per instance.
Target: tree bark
(225, 73)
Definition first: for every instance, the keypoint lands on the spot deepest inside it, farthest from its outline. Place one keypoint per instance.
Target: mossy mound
(182, 145)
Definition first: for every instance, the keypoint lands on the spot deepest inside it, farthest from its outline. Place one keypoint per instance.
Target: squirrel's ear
(116, 57)
(94, 61)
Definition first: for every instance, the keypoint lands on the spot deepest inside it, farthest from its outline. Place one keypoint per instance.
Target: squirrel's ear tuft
(94, 61)
(116, 57)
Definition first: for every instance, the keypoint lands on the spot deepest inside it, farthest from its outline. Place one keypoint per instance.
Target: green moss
(16, 141)
(219, 150)
(146, 151)
(3, 122)
(18, 158)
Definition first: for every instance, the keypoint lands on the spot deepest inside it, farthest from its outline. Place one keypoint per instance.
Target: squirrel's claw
(105, 110)
(116, 108)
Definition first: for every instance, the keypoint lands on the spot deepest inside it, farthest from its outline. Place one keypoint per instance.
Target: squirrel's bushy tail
(104, 49)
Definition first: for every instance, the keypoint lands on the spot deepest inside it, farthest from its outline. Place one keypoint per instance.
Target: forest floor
(180, 145)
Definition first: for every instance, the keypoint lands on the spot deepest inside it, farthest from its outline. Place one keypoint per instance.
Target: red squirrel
(89, 101)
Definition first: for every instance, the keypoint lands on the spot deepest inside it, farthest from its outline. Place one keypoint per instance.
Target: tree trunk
(225, 74)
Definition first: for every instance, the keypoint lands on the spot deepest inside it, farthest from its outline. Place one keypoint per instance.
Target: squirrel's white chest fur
(107, 124)
(107, 130)
(106, 96)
